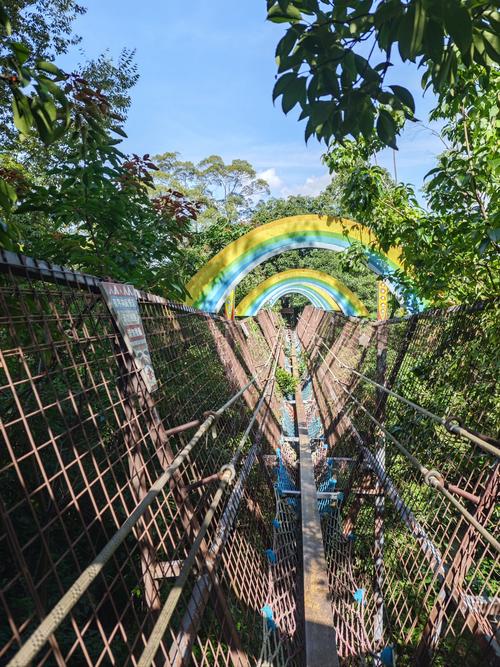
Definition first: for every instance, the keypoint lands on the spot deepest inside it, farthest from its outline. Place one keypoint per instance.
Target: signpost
(122, 303)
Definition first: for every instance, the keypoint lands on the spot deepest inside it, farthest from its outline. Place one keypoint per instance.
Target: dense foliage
(335, 57)
(82, 201)
(451, 248)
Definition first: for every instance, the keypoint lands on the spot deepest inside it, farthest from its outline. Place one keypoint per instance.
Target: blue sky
(207, 71)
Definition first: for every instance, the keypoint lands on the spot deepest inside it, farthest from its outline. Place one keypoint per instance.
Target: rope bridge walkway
(163, 503)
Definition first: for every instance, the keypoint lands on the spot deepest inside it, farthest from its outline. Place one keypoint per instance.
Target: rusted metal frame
(320, 397)
(333, 417)
(431, 313)
(52, 565)
(334, 427)
(451, 593)
(319, 634)
(182, 645)
(133, 388)
(211, 560)
(428, 548)
(29, 267)
(58, 512)
(433, 555)
(432, 478)
(235, 370)
(270, 333)
(232, 366)
(16, 548)
(190, 522)
(447, 423)
(398, 362)
(62, 608)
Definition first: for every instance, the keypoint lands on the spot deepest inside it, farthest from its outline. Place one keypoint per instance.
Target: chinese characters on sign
(383, 301)
(122, 302)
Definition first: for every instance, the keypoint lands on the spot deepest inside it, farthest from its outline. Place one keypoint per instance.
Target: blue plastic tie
(276, 523)
(351, 536)
(267, 612)
(359, 595)
(271, 556)
(387, 656)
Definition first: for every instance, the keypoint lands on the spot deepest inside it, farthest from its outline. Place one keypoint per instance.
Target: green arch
(333, 293)
(209, 288)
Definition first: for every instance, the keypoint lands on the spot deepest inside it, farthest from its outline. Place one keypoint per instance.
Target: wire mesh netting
(413, 561)
(130, 493)
(163, 527)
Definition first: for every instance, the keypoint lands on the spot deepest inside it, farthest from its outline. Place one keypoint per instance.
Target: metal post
(378, 528)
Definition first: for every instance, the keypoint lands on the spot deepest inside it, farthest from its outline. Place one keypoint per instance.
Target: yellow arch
(210, 286)
(338, 295)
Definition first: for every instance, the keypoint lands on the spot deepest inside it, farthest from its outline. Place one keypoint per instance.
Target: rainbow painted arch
(209, 288)
(322, 290)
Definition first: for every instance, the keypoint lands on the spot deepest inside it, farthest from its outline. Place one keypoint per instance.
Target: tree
(85, 203)
(451, 249)
(326, 203)
(233, 186)
(226, 191)
(334, 58)
(42, 29)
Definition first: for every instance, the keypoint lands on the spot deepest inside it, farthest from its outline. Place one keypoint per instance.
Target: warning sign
(122, 302)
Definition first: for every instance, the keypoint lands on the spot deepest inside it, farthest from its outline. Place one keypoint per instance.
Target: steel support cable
(448, 424)
(432, 478)
(228, 474)
(62, 608)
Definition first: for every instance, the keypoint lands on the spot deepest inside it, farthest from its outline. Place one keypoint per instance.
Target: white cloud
(312, 186)
(272, 178)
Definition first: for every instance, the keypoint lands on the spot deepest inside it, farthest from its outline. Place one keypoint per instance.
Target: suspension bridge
(165, 502)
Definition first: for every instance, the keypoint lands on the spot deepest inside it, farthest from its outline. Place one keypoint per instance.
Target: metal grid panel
(431, 578)
(84, 444)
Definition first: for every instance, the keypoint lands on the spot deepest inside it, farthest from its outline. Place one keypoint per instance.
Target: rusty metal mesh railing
(410, 409)
(134, 524)
(147, 528)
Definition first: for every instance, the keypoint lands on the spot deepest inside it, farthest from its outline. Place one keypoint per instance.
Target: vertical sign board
(383, 301)
(122, 302)
(229, 305)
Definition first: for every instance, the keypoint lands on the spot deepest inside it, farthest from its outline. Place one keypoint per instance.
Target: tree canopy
(334, 58)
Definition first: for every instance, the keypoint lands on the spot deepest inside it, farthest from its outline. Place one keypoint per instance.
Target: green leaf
(494, 235)
(411, 31)
(386, 128)
(21, 51)
(8, 196)
(492, 45)
(50, 68)
(458, 23)
(277, 15)
(286, 43)
(4, 20)
(404, 95)
(294, 93)
(118, 130)
(23, 118)
(282, 83)
(434, 40)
